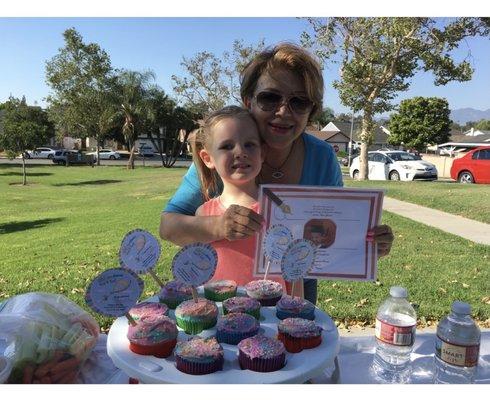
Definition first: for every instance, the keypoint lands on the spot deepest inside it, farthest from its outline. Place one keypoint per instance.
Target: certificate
(335, 219)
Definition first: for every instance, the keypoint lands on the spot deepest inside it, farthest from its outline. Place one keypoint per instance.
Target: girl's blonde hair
(202, 138)
(289, 57)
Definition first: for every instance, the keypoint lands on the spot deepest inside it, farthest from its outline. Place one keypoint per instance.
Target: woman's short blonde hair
(289, 57)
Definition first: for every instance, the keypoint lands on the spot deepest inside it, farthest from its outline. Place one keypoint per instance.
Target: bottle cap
(398, 291)
(460, 307)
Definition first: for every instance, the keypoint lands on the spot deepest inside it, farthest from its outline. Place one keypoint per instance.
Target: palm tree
(131, 89)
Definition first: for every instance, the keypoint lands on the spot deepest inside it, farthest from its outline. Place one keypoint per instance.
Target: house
(459, 143)
(337, 133)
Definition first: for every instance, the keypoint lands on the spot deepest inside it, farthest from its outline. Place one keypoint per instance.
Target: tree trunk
(367, 134)
(24, 175)
(131, 157)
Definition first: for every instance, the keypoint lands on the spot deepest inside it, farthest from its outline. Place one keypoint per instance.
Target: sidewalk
(475, 231)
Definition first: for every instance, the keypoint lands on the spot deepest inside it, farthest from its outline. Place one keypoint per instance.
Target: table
(299, 366)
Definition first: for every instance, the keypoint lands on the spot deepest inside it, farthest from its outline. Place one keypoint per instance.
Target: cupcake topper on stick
(139, 252)
(114, 292)
(298, 260)
(275, 242)
(194, 265)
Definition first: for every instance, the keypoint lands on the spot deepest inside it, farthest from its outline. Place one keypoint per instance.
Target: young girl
(228, 146)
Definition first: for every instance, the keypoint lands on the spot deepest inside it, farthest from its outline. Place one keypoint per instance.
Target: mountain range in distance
(464, 115)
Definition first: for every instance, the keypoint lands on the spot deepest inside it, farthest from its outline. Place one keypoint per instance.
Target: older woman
(283, 89)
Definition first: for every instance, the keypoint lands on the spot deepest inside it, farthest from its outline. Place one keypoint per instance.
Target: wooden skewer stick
(157, 279)
(194, 294)
(267, 268)
(130, 319)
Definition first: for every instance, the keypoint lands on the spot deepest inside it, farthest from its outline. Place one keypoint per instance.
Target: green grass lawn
(470, 201)
(66, 226)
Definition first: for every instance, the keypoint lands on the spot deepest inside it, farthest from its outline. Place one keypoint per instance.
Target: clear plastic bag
(49, 337)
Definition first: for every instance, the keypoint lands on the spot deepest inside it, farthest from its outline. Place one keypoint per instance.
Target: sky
(159, 44)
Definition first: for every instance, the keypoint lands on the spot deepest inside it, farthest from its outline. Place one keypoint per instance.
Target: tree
(483, 125)
(23, 127)
(378, 56)
(81, 78)
(420, 121)
(131, 88)
(327, 115)
(210, 82)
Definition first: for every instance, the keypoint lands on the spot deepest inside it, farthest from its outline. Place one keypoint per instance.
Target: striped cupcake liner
(160, 350)
(211, 295)
(234, 337)
(261, 364)
(194, 327)
(196, 368)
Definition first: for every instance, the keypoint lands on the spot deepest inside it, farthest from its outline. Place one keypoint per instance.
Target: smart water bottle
(457, 346)
(395, 334)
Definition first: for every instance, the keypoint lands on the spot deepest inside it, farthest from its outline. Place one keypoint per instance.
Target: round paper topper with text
(114, 292)
(139, 251)
(275, 242)
(195, 264)
(298, 259)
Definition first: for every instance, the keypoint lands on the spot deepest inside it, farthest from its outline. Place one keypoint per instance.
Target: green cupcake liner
(193, 327)
(210, 295)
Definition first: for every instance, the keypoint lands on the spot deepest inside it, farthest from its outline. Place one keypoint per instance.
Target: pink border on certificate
(322, 192)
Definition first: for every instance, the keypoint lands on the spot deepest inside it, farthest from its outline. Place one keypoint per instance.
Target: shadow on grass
(97, 182)
(11, 227)
(28, 174)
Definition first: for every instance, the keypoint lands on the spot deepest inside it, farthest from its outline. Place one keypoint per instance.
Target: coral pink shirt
(235, 258)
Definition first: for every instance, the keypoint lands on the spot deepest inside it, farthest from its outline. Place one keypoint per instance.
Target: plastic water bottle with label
(396, 323)
(457, 346)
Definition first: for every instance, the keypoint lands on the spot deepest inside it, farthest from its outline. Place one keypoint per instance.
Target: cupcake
(245, 305)
(298, 334)
(174, 293)
(232, 328)
(220, 290)
(153, 335)
(261, 354)
(199, 356)
(148, 308)
(265, 291)
(193, 317)
(294, 307)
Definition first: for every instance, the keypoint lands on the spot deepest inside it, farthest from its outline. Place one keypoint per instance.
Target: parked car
(106, 154)
(396, 166)
(61, 155)
(474, 167)
(40, 152)
(146, 151)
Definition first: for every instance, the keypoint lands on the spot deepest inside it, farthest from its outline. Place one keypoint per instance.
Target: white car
(106, 154)
(396, 166)
(40, 152)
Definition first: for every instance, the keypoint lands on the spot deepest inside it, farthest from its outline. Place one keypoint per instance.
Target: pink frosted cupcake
(298, 334)
(199, 356)
(153, 335)
(232, 328)
(149, 309)
(267, 292)
(174, 293)
(245, 305)
(220, 290)
(193, 317)
(261, 354)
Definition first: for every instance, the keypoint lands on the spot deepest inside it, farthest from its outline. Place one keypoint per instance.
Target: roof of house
(462, 138)
(380, 135)
(326, 135)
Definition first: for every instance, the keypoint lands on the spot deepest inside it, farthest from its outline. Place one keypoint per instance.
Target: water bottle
(457, 346)
(396, 323)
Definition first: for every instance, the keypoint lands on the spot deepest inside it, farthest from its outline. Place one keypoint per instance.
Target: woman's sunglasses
(270, 101)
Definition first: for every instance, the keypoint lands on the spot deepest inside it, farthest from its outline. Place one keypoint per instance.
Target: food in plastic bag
(50, 337)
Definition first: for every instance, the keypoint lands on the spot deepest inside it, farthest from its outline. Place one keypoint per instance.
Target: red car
(474, 167)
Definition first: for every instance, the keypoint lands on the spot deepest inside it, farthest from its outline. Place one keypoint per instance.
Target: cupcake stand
(299, 366)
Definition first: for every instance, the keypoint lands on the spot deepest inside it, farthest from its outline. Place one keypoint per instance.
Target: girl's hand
(239, 222)
(383, 236)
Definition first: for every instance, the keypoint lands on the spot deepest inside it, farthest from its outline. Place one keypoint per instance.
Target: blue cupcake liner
(234, 337)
